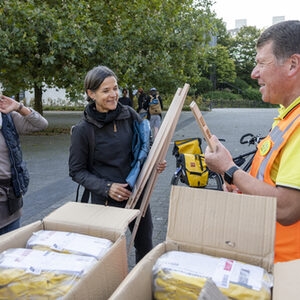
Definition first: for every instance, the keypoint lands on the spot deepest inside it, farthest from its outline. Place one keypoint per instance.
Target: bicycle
(215, 180)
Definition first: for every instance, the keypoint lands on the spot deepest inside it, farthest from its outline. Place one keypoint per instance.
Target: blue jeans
(10, 227)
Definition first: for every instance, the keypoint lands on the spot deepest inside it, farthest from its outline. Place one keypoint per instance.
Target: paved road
(47, 160)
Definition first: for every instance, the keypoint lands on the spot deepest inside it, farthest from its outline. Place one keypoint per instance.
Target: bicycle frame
(239, 160)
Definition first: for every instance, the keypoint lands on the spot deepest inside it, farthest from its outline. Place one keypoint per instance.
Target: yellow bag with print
(194, 169)
(189, 157)
(191, 146)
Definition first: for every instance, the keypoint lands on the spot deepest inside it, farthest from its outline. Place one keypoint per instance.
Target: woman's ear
(91, 94)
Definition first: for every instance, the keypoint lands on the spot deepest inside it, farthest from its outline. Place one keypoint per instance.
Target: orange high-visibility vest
(287, 238)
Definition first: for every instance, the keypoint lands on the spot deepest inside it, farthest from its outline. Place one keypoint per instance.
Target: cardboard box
(96, 220)
(235, 226)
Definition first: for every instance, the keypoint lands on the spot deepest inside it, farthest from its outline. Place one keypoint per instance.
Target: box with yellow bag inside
(212, 234)
(42, 274)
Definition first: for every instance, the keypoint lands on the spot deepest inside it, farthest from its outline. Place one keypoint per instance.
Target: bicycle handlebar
(253, 139)
(242, 139)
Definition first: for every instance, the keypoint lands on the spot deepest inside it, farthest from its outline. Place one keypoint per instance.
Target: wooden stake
(202, 124)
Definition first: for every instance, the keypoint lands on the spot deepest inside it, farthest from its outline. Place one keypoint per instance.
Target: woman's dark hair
(285, 37)
(95, 77)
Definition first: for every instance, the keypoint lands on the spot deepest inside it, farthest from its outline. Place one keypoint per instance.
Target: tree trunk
(130, 94)
(38, 104)
(17, 97)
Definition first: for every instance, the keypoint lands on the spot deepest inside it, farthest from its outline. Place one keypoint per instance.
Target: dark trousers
(143, 239)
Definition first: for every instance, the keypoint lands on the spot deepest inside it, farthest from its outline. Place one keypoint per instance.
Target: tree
(153, 43)
(42, 43)
(146, 42)
(243, 52)
(223, 36)
(220, 65)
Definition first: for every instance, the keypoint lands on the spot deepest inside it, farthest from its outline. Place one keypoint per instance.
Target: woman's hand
(161, 166)
(8, 105)
(119, 192)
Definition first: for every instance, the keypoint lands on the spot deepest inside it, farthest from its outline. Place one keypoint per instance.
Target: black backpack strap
(85, 196)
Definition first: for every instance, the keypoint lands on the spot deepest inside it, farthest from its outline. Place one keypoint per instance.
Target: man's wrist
(228, 175)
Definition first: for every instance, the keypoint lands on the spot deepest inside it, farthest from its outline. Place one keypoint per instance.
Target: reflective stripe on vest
(287, 238)
(261, 165)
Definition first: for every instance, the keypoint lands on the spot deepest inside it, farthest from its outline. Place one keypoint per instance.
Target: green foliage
(203, 85)
(251, 93)
(63, 108)
(220, 63)
(201, 102)
(221, 95)
(43, 42)
(241, 84)
(146, 42)
(223, 36)
(243, 51)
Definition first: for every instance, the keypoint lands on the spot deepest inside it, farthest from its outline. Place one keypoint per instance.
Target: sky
(258, 13)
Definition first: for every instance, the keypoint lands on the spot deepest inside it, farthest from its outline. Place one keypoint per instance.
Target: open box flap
(286, 280)
(91, 218)
(219, 222)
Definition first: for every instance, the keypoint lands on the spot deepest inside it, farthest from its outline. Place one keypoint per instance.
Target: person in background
(15, 119)
(142, 102)
(101, 150)
(275, 169)
(124, 99)
(154, 106)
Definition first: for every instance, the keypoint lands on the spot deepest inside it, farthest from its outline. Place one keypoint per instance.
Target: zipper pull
(115, 126)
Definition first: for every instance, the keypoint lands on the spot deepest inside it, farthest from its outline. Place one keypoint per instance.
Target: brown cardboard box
(96, 220)
(235, 226)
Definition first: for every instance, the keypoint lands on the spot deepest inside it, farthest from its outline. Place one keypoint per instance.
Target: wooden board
(148, 176)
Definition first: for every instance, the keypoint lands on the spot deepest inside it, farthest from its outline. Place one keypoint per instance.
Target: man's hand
(220, 160)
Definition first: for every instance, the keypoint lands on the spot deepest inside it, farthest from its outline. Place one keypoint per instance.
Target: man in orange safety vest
(275, 169)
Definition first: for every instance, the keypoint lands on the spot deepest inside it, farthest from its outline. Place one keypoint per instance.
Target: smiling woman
(106, 96)
(103, 149)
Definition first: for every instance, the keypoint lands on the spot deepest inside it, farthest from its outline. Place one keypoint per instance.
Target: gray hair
(95, 77)
(285, 37)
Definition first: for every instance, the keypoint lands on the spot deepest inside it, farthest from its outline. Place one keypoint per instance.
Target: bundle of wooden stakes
(148, 175)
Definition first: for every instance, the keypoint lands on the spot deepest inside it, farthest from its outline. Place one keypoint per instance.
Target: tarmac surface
(47, 160)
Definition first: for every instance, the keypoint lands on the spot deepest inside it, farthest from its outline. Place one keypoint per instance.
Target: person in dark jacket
(101, 150)
(15, 119)
(142, 102)
(125, 100)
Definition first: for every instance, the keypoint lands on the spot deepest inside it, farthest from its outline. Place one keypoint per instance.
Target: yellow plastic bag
(34, 274)
(182, 275)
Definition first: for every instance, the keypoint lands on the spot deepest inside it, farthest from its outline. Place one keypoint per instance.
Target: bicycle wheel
(214, 182)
